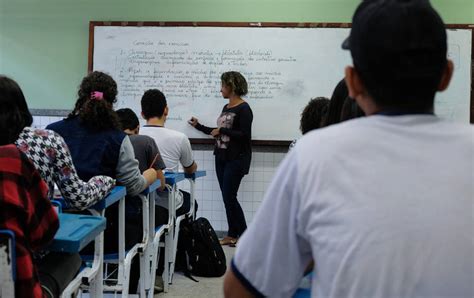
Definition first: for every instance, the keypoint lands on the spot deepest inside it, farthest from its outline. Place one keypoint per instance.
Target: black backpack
(199, 252)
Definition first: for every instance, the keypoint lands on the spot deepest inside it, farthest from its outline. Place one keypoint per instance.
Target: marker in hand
(193, 121)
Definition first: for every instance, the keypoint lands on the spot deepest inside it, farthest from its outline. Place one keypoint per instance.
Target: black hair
(14, 113)
(153, 104)
(97, 113)
(350, 110)
(128, 119)
(399, 50)
(235, 81)
(338, 97)
(404, 94)
(313, 114)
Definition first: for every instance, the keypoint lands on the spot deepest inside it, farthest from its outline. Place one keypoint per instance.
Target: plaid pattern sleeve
(50, 155)
(26, 210)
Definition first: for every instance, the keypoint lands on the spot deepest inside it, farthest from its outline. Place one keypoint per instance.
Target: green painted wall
(43, 44)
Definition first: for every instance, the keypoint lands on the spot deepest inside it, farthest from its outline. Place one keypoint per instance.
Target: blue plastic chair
(7, 263)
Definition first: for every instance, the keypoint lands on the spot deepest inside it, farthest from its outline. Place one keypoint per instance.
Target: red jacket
(26, 210)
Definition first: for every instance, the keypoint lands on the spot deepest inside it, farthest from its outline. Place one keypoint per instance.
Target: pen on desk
(154, 160)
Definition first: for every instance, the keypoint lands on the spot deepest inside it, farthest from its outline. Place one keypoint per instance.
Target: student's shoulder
(31, 134)
(460, 127)
(141, 140)
(161, 133)
(174, 133)
(334, 139)
(346, 128)
(9, 152)
(22, 167)
(64, 123)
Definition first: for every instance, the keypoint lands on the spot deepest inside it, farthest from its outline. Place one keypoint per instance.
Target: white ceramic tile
(247, 186)
(207, 195)
(259, 156)
(216, 195)
(268, 156)
(211, 174)
(207, 214)
(224, 226)
(267, 176)
(198, 154)
(206, 205)
(255, 206)
(206, 185)
(249, 217)
(198, 193)
(199, 184)
(247, 206)
(216, 215)
(249, 176)
(216, 225)
(247, 196)
(279, 157)
(215, 185)
(217, 206)
(258, 176)
(208, 164)
(208, 155)
(258, 196)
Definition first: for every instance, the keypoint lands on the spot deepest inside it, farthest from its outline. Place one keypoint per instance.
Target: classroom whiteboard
(285, 68)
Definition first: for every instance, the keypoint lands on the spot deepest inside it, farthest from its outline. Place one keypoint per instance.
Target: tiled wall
(208, 193)
(43, 121)
(251, 190)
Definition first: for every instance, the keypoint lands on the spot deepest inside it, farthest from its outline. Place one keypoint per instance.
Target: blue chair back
(7, 263)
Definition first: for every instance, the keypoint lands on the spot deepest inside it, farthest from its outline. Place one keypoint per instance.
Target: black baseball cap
(396, 40)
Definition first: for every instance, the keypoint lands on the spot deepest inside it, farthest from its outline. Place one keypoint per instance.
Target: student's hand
(215, 132)
(193, 121)
(150, 175)
(162, 178)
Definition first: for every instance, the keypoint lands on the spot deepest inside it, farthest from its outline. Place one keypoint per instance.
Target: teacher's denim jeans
(230, 174)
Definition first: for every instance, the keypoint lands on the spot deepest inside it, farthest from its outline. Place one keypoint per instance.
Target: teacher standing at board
(233, 150)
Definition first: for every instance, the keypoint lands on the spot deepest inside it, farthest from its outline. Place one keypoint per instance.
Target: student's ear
(143, 115)
(165, 113)
(354, 84)
(358, 91)
(447, 75)
(137, 129)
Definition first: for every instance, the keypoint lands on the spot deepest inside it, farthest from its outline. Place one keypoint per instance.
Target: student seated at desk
(145, 149)
(397, 221)
(24, 205)
(43, 149)
(98, 146)
(148, 156)
(50, 155)
(26, 210)
(174, 147)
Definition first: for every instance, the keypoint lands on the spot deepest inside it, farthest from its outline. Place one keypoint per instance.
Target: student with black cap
(382, 203)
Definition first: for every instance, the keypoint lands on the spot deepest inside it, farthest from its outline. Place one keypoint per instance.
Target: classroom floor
(206, 287)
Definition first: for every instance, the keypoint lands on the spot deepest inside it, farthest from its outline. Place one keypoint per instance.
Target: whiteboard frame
(93, 24)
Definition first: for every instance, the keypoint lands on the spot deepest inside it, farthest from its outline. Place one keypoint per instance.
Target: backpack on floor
(199, 252)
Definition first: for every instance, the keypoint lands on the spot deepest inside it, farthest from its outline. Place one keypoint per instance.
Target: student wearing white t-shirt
(174, 147)
(383, 204)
